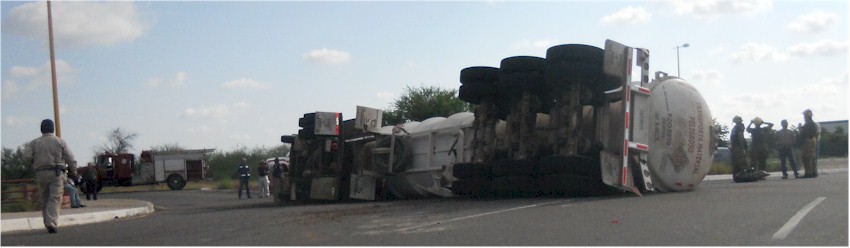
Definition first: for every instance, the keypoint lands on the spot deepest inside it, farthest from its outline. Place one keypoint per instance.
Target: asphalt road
(718, 213)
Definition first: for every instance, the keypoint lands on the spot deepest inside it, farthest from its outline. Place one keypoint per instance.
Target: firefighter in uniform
(244, 177)
(49, 156)
(738, 147)
(809, 133)
(279, 180)
(784, 145)
(759, 151)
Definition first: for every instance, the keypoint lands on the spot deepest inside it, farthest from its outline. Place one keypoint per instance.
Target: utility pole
(53, 72)
(678, 71)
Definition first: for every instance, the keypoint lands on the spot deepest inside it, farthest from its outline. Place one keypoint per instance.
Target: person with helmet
(244, 178)
(49, 156)
(809, 132)
(784, 141)
(759, 135)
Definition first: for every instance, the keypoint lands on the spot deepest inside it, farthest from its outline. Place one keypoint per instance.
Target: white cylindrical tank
(680, 138)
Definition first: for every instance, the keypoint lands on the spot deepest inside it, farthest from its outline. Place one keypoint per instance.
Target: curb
(37, 223)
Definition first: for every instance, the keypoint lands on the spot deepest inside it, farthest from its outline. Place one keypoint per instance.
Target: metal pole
(53, 72)
(678, 70)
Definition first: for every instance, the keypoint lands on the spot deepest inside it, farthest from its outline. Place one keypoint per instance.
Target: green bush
(224, 183)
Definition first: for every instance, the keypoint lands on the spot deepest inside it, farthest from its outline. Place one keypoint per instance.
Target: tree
(722, 133)
(421, 103)
(118, 141)
(14, 166)
(173, 147)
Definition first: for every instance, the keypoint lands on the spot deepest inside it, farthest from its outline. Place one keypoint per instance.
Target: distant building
(831, 126)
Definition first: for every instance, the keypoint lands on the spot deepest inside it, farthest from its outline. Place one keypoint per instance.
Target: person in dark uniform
(759, 149)
(90, 181)
(809, 133)
(784, 145)
(738, 147)
(49, 156)
(244, 178)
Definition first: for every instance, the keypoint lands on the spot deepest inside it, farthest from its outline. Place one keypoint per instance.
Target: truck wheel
(515, 186)
(469, 93)
(570, 165)
(574, 53)
(477, 74)
(470, 170)
(522, 64)
(509, 167)
(175, 182)
(471, 187)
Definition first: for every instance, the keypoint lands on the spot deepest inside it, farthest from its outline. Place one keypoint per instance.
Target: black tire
(471, 187)
(515, 83)
(558, 76)
(469, 93)
(522, 64)
(507, 167)
(478, 74)
(175, 182)
(574, 53)
(514, 186)
(571, 185)
(471, 170)
(569, 165)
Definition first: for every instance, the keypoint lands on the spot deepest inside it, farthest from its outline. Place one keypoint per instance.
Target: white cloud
(25, 79)
(78, 23)
(200, 129)
(385, 96)
(154, 82)
(708, 78)
(708, 9)
(327, 56)
(814, 22)
(179, 80)
(827, 98)
(545, 43)
(16, 121)
(244, 83)
(820, 48)
(758, 52)
(220, 111)
(217, 111)
(629, 15)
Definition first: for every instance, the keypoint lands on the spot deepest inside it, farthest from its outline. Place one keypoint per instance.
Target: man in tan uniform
(809, 132)
(49, 154)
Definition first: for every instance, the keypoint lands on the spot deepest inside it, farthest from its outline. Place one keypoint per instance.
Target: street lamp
(678, 71)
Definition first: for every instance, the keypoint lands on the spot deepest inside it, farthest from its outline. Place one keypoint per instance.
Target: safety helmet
(807, 112)
(737, 119)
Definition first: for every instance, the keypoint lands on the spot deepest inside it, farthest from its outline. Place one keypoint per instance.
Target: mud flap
(614, 174)
(324, 188)
(362, 187)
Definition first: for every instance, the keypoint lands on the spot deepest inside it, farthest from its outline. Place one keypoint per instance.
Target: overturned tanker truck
(571, 124)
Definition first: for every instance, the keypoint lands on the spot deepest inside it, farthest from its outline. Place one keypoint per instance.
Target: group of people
(785, 140)
(263, 170)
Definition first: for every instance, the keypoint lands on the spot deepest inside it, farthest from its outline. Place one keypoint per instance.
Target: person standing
(759, 135)
(263, 171)
(738, 147)
(244, 178)
(279, 180)
(53, 163)
(809, 133)
(784, 141)
(90, 181)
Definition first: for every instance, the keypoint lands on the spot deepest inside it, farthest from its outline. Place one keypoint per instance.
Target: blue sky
(227, 74)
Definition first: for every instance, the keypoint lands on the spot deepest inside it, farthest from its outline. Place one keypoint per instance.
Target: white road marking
(789, 226)
(475, 216)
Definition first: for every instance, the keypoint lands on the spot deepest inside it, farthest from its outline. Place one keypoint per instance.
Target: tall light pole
(678, 71)
(53, 72)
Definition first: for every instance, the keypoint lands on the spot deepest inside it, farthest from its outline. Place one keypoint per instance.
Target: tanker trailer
(572, 124)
